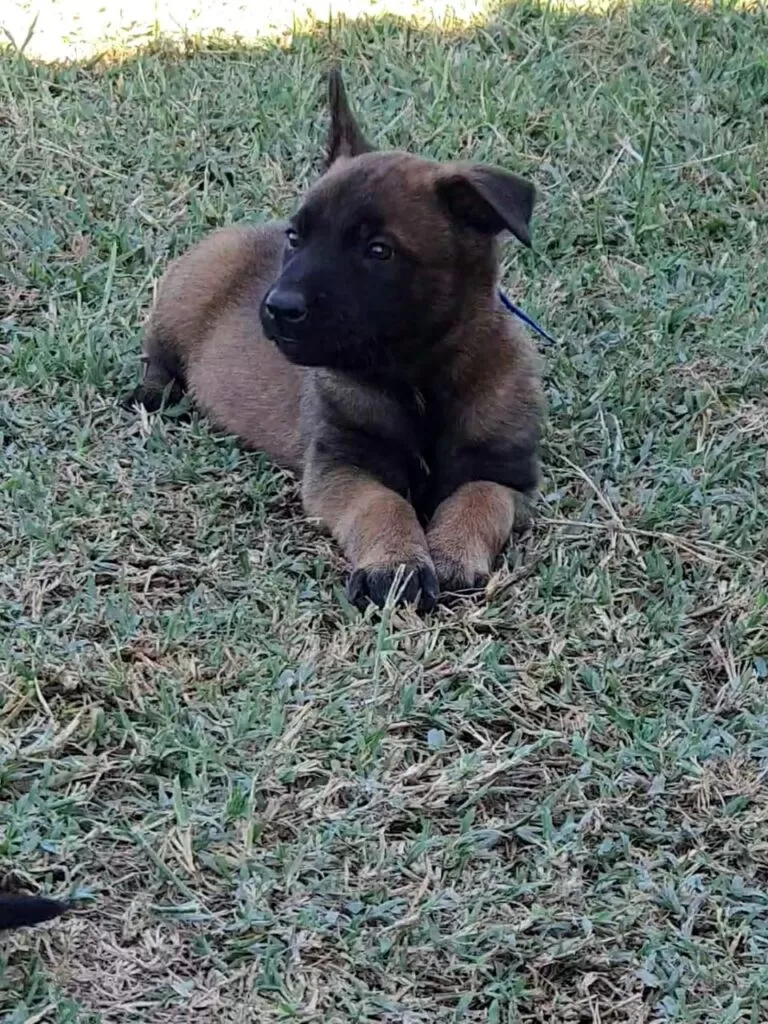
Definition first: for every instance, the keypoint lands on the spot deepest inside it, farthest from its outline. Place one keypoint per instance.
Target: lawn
(545, 804)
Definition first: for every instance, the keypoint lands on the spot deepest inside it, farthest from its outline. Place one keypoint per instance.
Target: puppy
(18, 909)
(363, 345)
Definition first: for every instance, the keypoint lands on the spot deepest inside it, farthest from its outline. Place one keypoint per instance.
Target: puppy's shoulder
(496, 417)
(503, 394)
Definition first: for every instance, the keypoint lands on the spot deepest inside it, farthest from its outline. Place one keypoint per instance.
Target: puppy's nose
(286, 305)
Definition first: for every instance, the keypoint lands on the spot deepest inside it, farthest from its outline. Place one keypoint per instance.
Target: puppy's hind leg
(163, 381)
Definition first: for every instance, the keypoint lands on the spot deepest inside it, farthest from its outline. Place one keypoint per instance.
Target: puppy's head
(386, 251)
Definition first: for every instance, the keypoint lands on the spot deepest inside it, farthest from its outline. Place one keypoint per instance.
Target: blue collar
(516, 311)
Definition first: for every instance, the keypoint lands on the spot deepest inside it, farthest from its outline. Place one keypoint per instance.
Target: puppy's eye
(379, 251)
(292, 237)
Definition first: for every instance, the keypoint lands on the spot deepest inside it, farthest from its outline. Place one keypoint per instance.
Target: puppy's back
(212, 277)
(205, 333)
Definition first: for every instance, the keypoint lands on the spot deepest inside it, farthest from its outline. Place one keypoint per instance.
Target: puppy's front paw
(372, 584)
(458, 574)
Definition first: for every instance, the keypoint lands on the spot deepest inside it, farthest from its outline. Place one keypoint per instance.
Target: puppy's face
(381, 255)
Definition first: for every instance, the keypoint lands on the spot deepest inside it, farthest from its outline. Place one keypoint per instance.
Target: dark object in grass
(364, 345)
(19, 909)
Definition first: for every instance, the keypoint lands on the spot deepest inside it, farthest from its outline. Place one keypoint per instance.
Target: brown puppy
(364, 346)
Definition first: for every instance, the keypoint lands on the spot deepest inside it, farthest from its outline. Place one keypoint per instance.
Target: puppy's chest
(418, 444)
(431, 433)
(443, 453)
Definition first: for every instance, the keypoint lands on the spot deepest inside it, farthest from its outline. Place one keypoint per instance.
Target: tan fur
(375, 527)
(498, 374)
(468, 533)
(207, 314)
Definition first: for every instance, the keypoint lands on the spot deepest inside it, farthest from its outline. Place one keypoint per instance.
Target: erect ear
(488, 199)
(344, 136)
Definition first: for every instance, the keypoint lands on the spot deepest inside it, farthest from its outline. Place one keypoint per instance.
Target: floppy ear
(344, 137)
(488, 199)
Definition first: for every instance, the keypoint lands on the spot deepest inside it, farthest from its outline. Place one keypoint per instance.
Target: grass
(82, 29)
(545, 805)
